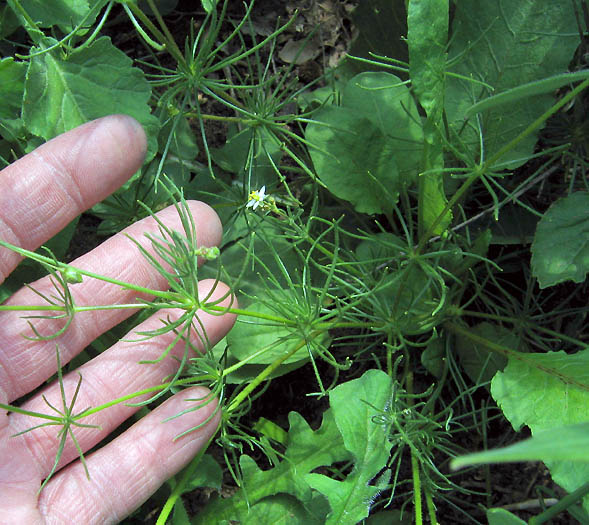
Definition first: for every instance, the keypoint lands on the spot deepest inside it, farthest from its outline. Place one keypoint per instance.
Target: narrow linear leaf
(530, 89)
(427, 37)
(573, 444)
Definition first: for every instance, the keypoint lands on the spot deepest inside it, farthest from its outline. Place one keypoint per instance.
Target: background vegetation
(407, 230)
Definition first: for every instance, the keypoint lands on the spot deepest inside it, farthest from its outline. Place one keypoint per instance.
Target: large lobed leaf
(64, 92)
(348, 432)
(355, 405)
(306, 450)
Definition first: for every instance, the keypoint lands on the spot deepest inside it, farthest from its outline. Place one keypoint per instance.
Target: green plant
(377, 231)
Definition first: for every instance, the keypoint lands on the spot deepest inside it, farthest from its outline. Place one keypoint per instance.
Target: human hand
(41, 193)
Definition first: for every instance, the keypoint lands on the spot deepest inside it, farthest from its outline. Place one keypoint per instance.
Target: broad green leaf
(273, 252)
(408, 297)
(208, 474)
(564, 226)
(8, 21)
(62, 93)
(368, 149)
(547, 392)
(354, 160)
(355, 405)
(12, 85)
(280, 509)
(306, 451)
(252, 154)
(479, 363)
(434, 356)
(379, 248)
(573, 444)
(385, 101)
(179, 514)
(63, 13)
(505, 46)
(503, 517)
(261, 341)
(178, 137)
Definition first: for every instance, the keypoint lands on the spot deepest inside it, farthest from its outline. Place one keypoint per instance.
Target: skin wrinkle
(101, 147)
(92, 506)
(45, 201)
(8, 232)
(63, 177)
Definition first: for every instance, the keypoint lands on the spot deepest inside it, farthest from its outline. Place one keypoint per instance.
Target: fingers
(116, 373)
(25, 364)
(46, 189)
(137, 462)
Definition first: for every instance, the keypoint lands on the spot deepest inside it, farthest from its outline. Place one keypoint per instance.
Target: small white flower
(256, 198)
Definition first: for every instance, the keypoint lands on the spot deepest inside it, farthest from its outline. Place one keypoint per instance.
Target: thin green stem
(169, 39)
(416, 488)
(266, 373)
(157, 46)
(187, 477)
(524, 323)
(57, 266)
(536, 124)
(431, 508)
(16, 6)
(482, 169)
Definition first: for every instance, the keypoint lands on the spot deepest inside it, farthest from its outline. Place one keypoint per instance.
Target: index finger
(46, 189)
